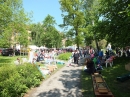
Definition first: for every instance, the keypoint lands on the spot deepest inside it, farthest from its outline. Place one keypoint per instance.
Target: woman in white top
(31, 56)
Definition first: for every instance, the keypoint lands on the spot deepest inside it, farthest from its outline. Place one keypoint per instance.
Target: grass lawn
(119, 89)
(8, 60)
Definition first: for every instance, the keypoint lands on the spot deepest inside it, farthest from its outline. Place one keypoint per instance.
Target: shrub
(64, 56)
(15, 80)
(102, 44)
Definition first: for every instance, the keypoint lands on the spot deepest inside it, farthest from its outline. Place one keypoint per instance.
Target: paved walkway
(64, 83)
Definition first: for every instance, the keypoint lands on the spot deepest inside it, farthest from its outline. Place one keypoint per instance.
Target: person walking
(76, 57)
(100, 54)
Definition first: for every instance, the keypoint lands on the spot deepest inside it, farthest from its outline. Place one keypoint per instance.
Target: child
(70, 60)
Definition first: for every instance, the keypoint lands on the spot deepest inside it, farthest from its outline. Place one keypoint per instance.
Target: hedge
(64, 56)
(16, 80)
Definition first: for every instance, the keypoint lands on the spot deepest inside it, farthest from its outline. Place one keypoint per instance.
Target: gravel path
(64, 83)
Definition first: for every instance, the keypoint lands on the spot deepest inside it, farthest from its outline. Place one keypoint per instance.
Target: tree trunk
(97, 45)
(77, 40)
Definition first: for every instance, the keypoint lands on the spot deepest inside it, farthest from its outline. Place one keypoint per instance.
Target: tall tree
(52, 38)
(74, 17)
(115, 22)
(90, 9)
(5, 14)
(46, 34)
(69, 38)
(13, 24)
(37, 34)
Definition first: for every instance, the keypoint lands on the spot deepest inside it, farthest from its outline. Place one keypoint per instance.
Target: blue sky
(41, 8)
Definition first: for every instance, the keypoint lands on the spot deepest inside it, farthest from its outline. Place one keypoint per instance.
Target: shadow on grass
(119, 89)
(87, 87)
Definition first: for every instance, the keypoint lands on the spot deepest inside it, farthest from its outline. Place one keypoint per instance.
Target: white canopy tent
(34, 47)
(42, 47)
(71, 47)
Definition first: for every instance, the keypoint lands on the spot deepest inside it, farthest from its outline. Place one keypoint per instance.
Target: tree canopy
(87, 20)
(46, 34)
(73, 16)
(97, 20)
(115, 23)
(13, 22)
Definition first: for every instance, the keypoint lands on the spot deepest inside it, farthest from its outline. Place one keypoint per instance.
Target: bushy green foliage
(102, 44)
(93, 44)
(64, 56)
(15, 80)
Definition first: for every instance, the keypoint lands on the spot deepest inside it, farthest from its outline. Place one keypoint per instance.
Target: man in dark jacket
(76, 57)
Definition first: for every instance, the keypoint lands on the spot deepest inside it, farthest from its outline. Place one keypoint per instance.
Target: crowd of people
(40, 55)
(123, 51)
(95, 62)
(95, 59)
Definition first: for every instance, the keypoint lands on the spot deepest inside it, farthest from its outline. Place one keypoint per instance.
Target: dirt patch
(30, 91)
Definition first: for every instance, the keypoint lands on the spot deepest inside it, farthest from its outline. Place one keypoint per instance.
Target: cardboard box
(127, 67)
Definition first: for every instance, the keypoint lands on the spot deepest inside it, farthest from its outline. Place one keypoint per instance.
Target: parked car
(17, 52)
(9, 52)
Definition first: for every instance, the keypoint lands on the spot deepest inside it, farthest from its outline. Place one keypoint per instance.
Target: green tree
(5, 40)
(52, 38)
(13, 24)
(102, 44)
(90, 9)
(46, 34)
(37, 34)
(73, 17)
(69, 38)
(115, 22)
(5, 14)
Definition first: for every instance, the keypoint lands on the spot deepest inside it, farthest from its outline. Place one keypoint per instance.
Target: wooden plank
(98, 79)
(100, 87)
(104, 91)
